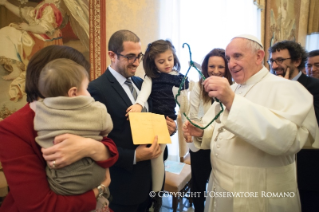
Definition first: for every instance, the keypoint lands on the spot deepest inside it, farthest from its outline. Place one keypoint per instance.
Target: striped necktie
(128, 82)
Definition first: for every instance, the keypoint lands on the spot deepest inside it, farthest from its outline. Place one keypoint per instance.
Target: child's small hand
(134, 108)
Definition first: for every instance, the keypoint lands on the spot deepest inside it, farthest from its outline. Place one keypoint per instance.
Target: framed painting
(282, 22)
(77, 23)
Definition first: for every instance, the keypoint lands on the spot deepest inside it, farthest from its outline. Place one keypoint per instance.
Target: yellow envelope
(145, 126)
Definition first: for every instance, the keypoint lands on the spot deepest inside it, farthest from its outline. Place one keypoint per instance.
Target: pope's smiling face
(243, 62)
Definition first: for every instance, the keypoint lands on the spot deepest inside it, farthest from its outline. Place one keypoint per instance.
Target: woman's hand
(188, 138)
(105, 183)
(69, 148)
(107, 180)
(191, 130)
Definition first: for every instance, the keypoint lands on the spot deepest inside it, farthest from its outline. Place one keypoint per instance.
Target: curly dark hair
(295, 50)
(219, 53)
(153, 49)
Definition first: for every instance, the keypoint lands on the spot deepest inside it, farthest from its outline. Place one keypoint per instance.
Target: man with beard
(266, 121)
(313, 64)
(117, 89)
(287, 59)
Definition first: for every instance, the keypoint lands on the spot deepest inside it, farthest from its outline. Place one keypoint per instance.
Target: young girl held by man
(161, 67)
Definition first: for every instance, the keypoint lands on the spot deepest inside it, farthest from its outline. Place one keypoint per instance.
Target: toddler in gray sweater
(69, 108)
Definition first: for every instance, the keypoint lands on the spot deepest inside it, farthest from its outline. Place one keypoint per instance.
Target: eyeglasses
(132, 58)
(278, 61)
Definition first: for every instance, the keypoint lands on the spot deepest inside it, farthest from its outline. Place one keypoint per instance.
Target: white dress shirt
(121, 79)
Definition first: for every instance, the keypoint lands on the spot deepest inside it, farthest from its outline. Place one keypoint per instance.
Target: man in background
(312, 65)
(287, 59)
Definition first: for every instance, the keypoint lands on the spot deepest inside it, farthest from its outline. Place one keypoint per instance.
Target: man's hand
(219, 88)
(147, 153)
(287, 74)
(171, 125)
(191, 130)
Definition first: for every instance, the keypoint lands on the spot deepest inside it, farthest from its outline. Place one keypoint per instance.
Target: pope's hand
(191, 130)
(219, 88)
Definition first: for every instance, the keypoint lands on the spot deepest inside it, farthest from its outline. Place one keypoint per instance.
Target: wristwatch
(101, 189)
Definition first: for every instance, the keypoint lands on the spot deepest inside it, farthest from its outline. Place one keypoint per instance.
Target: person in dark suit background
(313, 64)
(111, 89)
(287, 59)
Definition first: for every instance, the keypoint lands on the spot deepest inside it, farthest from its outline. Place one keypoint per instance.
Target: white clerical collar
(119, 77)
(297, 76)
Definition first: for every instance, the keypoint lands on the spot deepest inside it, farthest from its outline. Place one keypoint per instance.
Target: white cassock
(254, 145)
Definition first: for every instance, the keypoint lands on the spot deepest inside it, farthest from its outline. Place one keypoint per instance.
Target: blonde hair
(59, 75)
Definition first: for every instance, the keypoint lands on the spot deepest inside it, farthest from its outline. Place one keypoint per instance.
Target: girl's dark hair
(153, 49)
(219, 53)
(41, 58)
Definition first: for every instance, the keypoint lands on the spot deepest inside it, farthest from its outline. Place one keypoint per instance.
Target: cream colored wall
(303, 22)
(141, 17)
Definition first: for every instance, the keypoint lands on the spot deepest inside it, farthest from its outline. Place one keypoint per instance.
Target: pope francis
(267, 120)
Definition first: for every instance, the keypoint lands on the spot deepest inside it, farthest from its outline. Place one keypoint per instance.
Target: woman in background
(214, 64)
(24, 163)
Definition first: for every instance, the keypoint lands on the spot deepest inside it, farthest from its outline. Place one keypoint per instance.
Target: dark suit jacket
(130, 184)
(307, 159)
(312, 85)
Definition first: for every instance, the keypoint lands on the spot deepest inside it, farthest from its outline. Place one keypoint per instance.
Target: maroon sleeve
(24, 169)
(109, 143)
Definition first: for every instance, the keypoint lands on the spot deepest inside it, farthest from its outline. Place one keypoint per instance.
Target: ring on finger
(53, 164)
